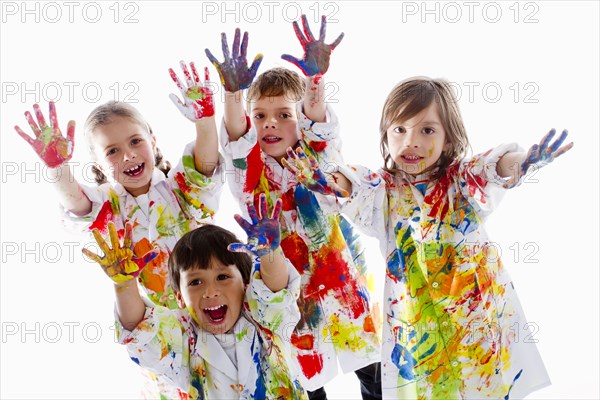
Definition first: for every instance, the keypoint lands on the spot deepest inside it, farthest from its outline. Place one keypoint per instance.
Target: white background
(533, 66)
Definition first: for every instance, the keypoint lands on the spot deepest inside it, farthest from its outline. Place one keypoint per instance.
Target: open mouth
(270, 139)
(135, 171)
(411, 158)
(216, 315)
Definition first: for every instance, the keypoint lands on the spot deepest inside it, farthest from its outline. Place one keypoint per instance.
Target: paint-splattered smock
(169, 343)
(337, 322)
(173, 206)
(453, 325)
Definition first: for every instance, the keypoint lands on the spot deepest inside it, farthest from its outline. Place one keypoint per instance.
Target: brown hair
(197, 248)
(410, 97)
(103, 115)
(277, 82)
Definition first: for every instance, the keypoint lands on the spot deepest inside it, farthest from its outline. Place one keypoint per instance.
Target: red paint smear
(296, 251)
(311, 364)
(104, 217)
(288, 202)
(303, 342)
(331, 273)
(180, 179)
(255, 166)
(318, 146)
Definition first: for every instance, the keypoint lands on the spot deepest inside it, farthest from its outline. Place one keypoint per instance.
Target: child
(230, 339)
(161, 203)
(337, 321)
(451, 311)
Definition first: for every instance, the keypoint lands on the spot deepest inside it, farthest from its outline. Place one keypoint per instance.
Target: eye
(136, 141)
(222, 277)
(194, 282)
(428, 131)
(259, 116)
(285, 115)
(399, 129)
(111, 152)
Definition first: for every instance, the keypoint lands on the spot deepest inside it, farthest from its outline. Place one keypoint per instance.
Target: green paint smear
(195, 93)
(192, 174)
(240, 163)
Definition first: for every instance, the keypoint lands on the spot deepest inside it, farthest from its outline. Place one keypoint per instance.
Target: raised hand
(49, 143)
(197, 97)
(234, 72)
(544, 153)
(119, 263)
(309, 174)
(316, 52)
(264, 233)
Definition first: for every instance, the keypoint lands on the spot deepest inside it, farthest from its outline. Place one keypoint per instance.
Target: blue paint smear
(261, 390)
(401, 354)
(512, 384)
(135, 360)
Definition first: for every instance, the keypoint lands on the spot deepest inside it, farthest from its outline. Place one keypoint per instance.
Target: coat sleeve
(198, 194)
(275, 311)
(478, 180)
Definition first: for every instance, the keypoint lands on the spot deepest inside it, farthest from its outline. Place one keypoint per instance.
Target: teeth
(214, 308)
(134, 169)
(412, 157)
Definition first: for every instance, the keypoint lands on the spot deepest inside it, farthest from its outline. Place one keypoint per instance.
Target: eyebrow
(277, 109)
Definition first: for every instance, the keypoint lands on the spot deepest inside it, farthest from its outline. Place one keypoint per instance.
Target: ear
(179, 298)
(153, 142)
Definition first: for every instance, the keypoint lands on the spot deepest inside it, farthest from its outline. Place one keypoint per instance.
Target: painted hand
(119, 263)
(309, 174)
(316, 52)
(544, 153)
(234, 72)
(197, 97)
(49, 143)
(264, 233)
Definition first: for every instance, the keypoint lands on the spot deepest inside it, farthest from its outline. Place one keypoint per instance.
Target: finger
(277, 209)
(264, 212)
(211, 58)
(71, 135)
(252, 213)
(114, 236)
(180, 106)
(128, 235)
(299, 34)
(206, 78)
(186, 73)
(563, 150)
(176, 80)
(236, 44)
(53, 119)
(301, 154)
(289, 166)
(39, 116)
(323, 28)
(244, 48)
(225, 48)
(195, 76)
(546, 139)
(101, 242)
(245, 225)
(91, 255)
(558, 142)
(294, 60)
(255, 64)
(306, 28)
(34, 127)
(25, 136)
(337, 41)
(238, 248)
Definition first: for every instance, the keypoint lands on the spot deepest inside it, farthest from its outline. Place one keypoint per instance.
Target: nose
(411, 139)
(129, 154)
(270, 123)
(210, 290)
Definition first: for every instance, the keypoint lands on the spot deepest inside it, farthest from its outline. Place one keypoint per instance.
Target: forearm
(235, 115)
(343, 182)
(71, 196)
(273, 270)
(130, 306)
(314, 99)
(206, 150)
(509, 165)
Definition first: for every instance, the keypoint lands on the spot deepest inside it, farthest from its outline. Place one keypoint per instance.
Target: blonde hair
(277, 82)
(103, 115)
(410, 97)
